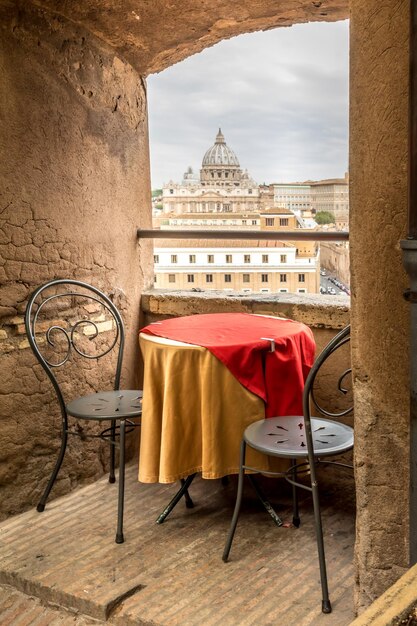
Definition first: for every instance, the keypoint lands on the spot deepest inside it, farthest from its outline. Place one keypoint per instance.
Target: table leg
(188, 501)
(181, 492)
(278, 521)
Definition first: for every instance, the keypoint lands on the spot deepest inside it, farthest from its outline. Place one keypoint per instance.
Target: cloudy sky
(280, 98)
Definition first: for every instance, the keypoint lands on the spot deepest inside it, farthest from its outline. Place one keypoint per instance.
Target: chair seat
(107, 405)
(285, 436)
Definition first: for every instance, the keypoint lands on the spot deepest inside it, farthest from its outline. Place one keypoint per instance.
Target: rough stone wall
(378, 204)
(74, 182)
(155, 35)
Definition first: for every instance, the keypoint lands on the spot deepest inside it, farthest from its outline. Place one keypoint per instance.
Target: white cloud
(280, 97)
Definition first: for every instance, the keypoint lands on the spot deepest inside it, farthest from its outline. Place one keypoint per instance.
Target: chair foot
(112, 479)
(326, 607)
(120, 538)
(296, 522)
(40, 508)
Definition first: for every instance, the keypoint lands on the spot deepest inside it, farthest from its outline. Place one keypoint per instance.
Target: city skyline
(280, 97)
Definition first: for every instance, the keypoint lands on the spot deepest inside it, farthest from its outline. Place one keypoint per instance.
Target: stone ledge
(314, 310)
(394, 605)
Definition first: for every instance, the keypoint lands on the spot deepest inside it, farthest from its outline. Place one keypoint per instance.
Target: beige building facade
(246, 266)
(323, 195)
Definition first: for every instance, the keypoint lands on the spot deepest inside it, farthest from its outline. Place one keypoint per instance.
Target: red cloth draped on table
(238, 341)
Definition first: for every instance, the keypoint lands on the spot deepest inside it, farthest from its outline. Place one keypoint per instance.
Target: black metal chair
(55, 343)
(301, 438)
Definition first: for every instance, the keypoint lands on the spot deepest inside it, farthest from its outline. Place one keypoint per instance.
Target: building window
(282, 278)
(270, 221)
(283, 258)
(301, 278)
(190, 278)
(249, 190)
(264, 278)
(246, 278)
(246, 258)
(192, 258)
(265, 258)
(171, 278)
(210, 258)
(254, 222)
(227, 278)
(264, 290)
(209, 278)
(301, 290)
(156, 258)
(155, 279)
(228, 258)
(283, 221)
(174, 258)
(283, 291)
(171, 191)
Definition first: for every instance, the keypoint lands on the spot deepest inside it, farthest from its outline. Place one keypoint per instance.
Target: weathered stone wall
(378, 204)
(74, 184)
(154, 35)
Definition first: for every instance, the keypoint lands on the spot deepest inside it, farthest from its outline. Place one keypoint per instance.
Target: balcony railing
(289, 235)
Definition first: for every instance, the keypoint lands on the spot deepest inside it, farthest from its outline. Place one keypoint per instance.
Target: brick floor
(172, 574)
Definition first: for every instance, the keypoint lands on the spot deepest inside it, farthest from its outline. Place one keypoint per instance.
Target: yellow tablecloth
(194, 415)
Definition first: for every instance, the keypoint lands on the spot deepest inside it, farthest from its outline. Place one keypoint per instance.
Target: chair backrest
(339, 340)
(62, 317)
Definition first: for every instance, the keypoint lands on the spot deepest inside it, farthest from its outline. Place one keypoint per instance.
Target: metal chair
(304, 440)
(83, 311)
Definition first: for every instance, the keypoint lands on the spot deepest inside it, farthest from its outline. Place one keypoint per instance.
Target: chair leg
(325, 606)
(112, 477)
(119, 533)
(295, 513)
(42, 501)
(235, 517)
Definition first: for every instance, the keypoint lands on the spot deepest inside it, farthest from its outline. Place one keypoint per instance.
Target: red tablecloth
(236, 340)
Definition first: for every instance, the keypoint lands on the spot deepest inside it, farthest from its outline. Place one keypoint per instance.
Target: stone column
(74, 183)
(378, 183)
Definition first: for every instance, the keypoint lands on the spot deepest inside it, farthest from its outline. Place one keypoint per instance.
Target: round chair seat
(107, 405)
(285, 436)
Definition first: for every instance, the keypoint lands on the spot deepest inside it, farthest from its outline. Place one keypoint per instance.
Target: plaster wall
(378, 205)
(74, 184)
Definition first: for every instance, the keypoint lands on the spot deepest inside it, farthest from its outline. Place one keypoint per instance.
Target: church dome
(220, 154)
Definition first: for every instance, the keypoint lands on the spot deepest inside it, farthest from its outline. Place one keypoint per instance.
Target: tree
(325, 217)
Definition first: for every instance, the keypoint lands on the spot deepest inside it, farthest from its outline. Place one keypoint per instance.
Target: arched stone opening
(75, 185)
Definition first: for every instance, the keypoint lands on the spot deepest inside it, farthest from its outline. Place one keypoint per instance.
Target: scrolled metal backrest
(339, 340)
(79, 295)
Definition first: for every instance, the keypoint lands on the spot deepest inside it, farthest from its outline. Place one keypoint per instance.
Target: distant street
(329, 287)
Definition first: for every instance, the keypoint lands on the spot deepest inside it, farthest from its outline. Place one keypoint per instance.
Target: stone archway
(75, 155)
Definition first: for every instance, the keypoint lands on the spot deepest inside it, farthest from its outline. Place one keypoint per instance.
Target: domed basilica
(222, 186)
